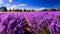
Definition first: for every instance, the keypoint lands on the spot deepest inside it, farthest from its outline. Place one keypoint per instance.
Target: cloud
(7, 4)
(10, 0)
(22, 4)
(13, 7)
(1, 2)
(42, 8)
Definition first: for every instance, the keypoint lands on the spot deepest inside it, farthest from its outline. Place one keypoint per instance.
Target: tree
(20, 10)
(52, 9)
(16, 10)
(29, 10)
(24, 10)
(4, 9)
(10, 10)
(32, 10)
(58, 9)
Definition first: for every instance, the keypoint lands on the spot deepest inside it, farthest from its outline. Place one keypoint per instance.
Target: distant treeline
(4, 9)
(20, 10)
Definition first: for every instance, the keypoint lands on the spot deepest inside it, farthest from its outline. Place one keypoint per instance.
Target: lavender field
(30, 23)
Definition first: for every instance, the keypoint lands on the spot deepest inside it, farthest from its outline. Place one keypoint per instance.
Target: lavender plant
(39, 23)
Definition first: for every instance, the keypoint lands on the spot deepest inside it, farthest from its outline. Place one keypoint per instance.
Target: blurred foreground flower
(41, 24)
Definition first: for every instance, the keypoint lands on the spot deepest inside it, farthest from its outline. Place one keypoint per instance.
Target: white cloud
(42, 8)
(1, 2)
(10, 0)
(13, 7)
(22, 4)
(7, 4)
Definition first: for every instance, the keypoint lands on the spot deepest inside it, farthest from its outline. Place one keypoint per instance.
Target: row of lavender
(30, 23)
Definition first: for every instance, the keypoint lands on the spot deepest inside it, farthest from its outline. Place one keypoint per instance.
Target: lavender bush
(30, 23)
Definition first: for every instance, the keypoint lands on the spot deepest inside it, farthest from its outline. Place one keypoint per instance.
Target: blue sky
(30, 4)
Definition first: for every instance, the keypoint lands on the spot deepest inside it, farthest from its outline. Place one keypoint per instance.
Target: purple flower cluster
(29, 23)
(13, 24)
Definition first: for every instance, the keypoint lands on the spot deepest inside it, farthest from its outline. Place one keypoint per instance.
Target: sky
(30, 4)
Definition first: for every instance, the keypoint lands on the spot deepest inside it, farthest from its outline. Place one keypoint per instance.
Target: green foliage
(4, 9)
(24, 10)
(32, 10)
(20, 10)
(29, 10)
(16, 10)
